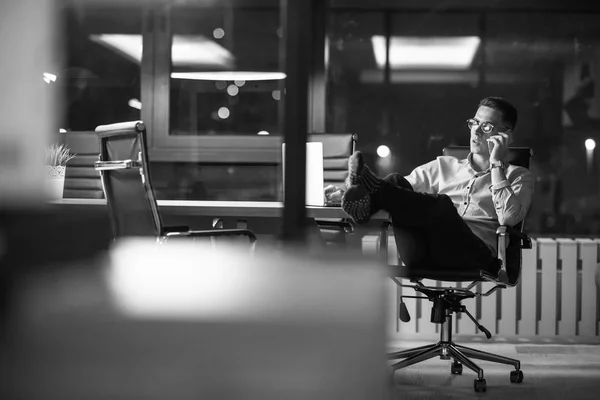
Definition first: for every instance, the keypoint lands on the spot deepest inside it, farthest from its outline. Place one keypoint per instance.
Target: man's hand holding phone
(498, 145)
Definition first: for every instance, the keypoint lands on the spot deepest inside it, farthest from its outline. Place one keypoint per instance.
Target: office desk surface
(268, 209)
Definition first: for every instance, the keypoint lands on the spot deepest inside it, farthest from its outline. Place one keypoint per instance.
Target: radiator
(558, 295)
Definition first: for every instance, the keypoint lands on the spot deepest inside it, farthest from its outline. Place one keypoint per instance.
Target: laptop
(314, 173)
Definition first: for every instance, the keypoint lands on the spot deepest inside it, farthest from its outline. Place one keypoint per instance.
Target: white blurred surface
(185, 321)
(199, 281)
(314, 195)
(27, 109)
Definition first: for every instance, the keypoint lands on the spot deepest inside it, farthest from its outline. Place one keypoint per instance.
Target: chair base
(446, 349)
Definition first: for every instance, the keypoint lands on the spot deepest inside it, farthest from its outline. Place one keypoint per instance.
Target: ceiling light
(426, 52)
(229, 76)
(186, 50)
(263, 133)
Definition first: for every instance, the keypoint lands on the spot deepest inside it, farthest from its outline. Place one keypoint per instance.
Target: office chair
(82, 181)
(447, 299)
(125, 174)
(336, 150)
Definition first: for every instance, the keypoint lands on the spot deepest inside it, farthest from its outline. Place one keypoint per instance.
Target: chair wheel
(479, 385)
(516, 376)
(456, 368)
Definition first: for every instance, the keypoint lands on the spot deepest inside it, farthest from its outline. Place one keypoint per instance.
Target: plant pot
(55, 181)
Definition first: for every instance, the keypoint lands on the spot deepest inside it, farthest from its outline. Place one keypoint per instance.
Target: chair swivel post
(438, 311)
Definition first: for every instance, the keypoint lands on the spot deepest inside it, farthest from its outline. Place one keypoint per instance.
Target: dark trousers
(428, 229)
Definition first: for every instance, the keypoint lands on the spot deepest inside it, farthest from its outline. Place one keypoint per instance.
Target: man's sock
(360, 174)
(356, 202)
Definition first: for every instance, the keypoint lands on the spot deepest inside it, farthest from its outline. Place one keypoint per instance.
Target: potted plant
(57, 157)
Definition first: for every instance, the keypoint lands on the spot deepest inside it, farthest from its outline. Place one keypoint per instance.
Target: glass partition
(407, 80)
(404, 77)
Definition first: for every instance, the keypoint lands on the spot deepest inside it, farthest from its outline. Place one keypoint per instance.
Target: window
(100, 77)
(217, 83)
(550, 68)
(225, 75)
(217, 110)
(384, 85)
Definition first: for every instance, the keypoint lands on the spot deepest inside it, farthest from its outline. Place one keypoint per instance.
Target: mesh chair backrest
(82, 181)
(336, 150)
(519, 156)
(131, 202)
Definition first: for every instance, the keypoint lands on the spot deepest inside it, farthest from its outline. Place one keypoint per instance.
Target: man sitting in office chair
(453, 207)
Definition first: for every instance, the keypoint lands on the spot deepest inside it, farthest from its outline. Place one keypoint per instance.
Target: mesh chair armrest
(505, 229)
(383, 241)
(344, 225)
(214, 233)
(503, 233)
(114, 165)
(175, 229)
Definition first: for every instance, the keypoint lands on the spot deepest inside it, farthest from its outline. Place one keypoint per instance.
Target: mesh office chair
(447, 299)
(336, 150)
(337, 147)
(125, 174)
(82, 181)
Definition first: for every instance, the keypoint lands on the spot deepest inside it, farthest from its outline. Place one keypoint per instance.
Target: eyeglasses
(486, 127)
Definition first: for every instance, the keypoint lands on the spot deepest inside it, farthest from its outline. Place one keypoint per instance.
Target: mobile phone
(490, 146)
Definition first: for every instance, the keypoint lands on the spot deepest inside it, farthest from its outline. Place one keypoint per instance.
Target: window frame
(156, 83)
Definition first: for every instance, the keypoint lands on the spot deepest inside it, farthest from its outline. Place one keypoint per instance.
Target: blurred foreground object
(27, 98)
(186, 321)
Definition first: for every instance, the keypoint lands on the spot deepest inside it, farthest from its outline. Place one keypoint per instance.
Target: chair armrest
(505, 229)
(114, 165)
(214, 233)
(344, 225)
(501, 233)
(172, 229)
(383, 241)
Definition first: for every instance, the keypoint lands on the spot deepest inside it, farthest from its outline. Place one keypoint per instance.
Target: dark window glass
(100, 78)
(225, 74)
(441, 63)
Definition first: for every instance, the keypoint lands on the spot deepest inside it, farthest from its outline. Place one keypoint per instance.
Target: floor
(553, 369)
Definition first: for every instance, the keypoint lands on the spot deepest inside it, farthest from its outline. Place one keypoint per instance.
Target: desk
(238, 209)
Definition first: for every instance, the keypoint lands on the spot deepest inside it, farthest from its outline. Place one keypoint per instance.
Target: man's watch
(498, 164)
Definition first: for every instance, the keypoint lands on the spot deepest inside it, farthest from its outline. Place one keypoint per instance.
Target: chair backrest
(82, 181)
(124, 169)
(519, 156)
(337, 147)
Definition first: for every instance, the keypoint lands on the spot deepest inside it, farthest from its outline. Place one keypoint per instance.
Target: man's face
(478, 142)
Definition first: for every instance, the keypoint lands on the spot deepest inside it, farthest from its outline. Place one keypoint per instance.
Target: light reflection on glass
(223, 112)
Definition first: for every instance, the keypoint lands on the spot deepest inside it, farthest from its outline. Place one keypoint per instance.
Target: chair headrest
(519, 156)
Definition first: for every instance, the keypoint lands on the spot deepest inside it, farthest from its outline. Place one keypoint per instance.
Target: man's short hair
(509, 112)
